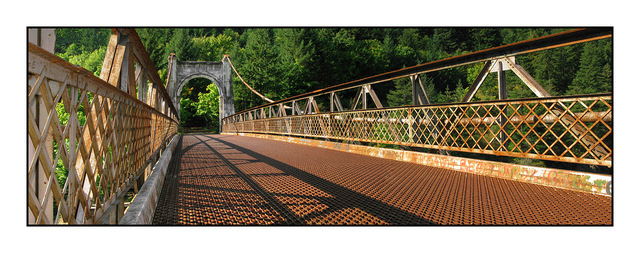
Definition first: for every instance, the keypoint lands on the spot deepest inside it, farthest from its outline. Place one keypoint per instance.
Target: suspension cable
(245, 83)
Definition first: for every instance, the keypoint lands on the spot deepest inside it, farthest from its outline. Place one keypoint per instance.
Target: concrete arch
(217, 72)
(185, 80)
(194, 76)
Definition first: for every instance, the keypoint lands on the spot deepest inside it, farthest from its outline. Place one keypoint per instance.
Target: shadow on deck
(232, 180)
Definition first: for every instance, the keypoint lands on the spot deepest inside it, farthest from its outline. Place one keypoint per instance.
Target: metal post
(418, 93)
(502, 95)
(364, 97)
(373, 95)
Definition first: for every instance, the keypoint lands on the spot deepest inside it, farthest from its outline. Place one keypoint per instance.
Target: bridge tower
(180, 72)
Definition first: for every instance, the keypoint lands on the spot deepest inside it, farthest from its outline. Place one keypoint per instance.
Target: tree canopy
(282, 62)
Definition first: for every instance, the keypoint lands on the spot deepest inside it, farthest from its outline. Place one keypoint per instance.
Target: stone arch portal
(218, 72)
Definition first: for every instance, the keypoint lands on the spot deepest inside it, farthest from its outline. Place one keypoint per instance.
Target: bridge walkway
(234, 180)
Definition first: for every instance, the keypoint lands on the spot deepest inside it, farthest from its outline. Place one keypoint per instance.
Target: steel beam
(502, 95)
(526, 78)
(528, 46)
(419, 94)
(478, 81)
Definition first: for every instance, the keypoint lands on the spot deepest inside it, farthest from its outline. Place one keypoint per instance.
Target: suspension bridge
(314, 158)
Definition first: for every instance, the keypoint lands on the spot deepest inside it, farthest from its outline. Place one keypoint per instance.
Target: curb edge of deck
(142, 208)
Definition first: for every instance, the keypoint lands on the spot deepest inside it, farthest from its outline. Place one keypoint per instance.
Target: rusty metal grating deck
(233, 180)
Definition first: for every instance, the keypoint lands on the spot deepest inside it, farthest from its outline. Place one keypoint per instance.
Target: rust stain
(235, 180)
(579, 181)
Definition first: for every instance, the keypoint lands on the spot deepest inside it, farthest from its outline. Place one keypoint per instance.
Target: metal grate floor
(233, 180)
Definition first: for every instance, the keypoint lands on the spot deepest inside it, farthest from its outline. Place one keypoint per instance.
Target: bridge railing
(574, 129)
(570, 129)
(103, 139)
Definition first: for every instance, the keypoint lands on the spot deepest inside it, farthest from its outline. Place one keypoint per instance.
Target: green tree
(189, 98)
(258, 66)
(595, 72)
(454, 95)
(181, 44)
(451, 40)
(187, 111)
(90, 60)
(208, 106)
(161, 42)
(155, 41)
(85, 48)
(86, 39)
(213, 48)
(294, 61)
(402, 93)
(483, 38)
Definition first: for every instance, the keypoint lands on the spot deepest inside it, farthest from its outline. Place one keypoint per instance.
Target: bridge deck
(216, 179)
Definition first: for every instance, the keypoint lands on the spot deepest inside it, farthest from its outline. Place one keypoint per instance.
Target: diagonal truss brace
(362, 93)
(500, 65)
(420, 97)
(509, 63)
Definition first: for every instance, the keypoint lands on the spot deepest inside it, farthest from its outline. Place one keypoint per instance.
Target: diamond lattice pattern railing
(570, 129)
(79, 125)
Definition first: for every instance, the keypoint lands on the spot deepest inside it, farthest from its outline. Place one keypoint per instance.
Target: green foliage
(85, 39)
(401, 94)
(181, 44)
(84, 47)
(454, 95)
(63, 116)
(208, 106)
(161, 42)
(61, 172)
(90, 60)
(294, 58)
(595, 72)
(213, 48)
(484, 38)
(155, 42)
(282, 62)
(187, 111)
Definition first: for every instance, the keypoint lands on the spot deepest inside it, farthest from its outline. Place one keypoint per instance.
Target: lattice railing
(574, 129)
(570, 129)
(101, 136)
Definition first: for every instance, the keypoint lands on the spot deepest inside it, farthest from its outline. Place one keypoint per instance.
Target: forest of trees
(282, 62)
